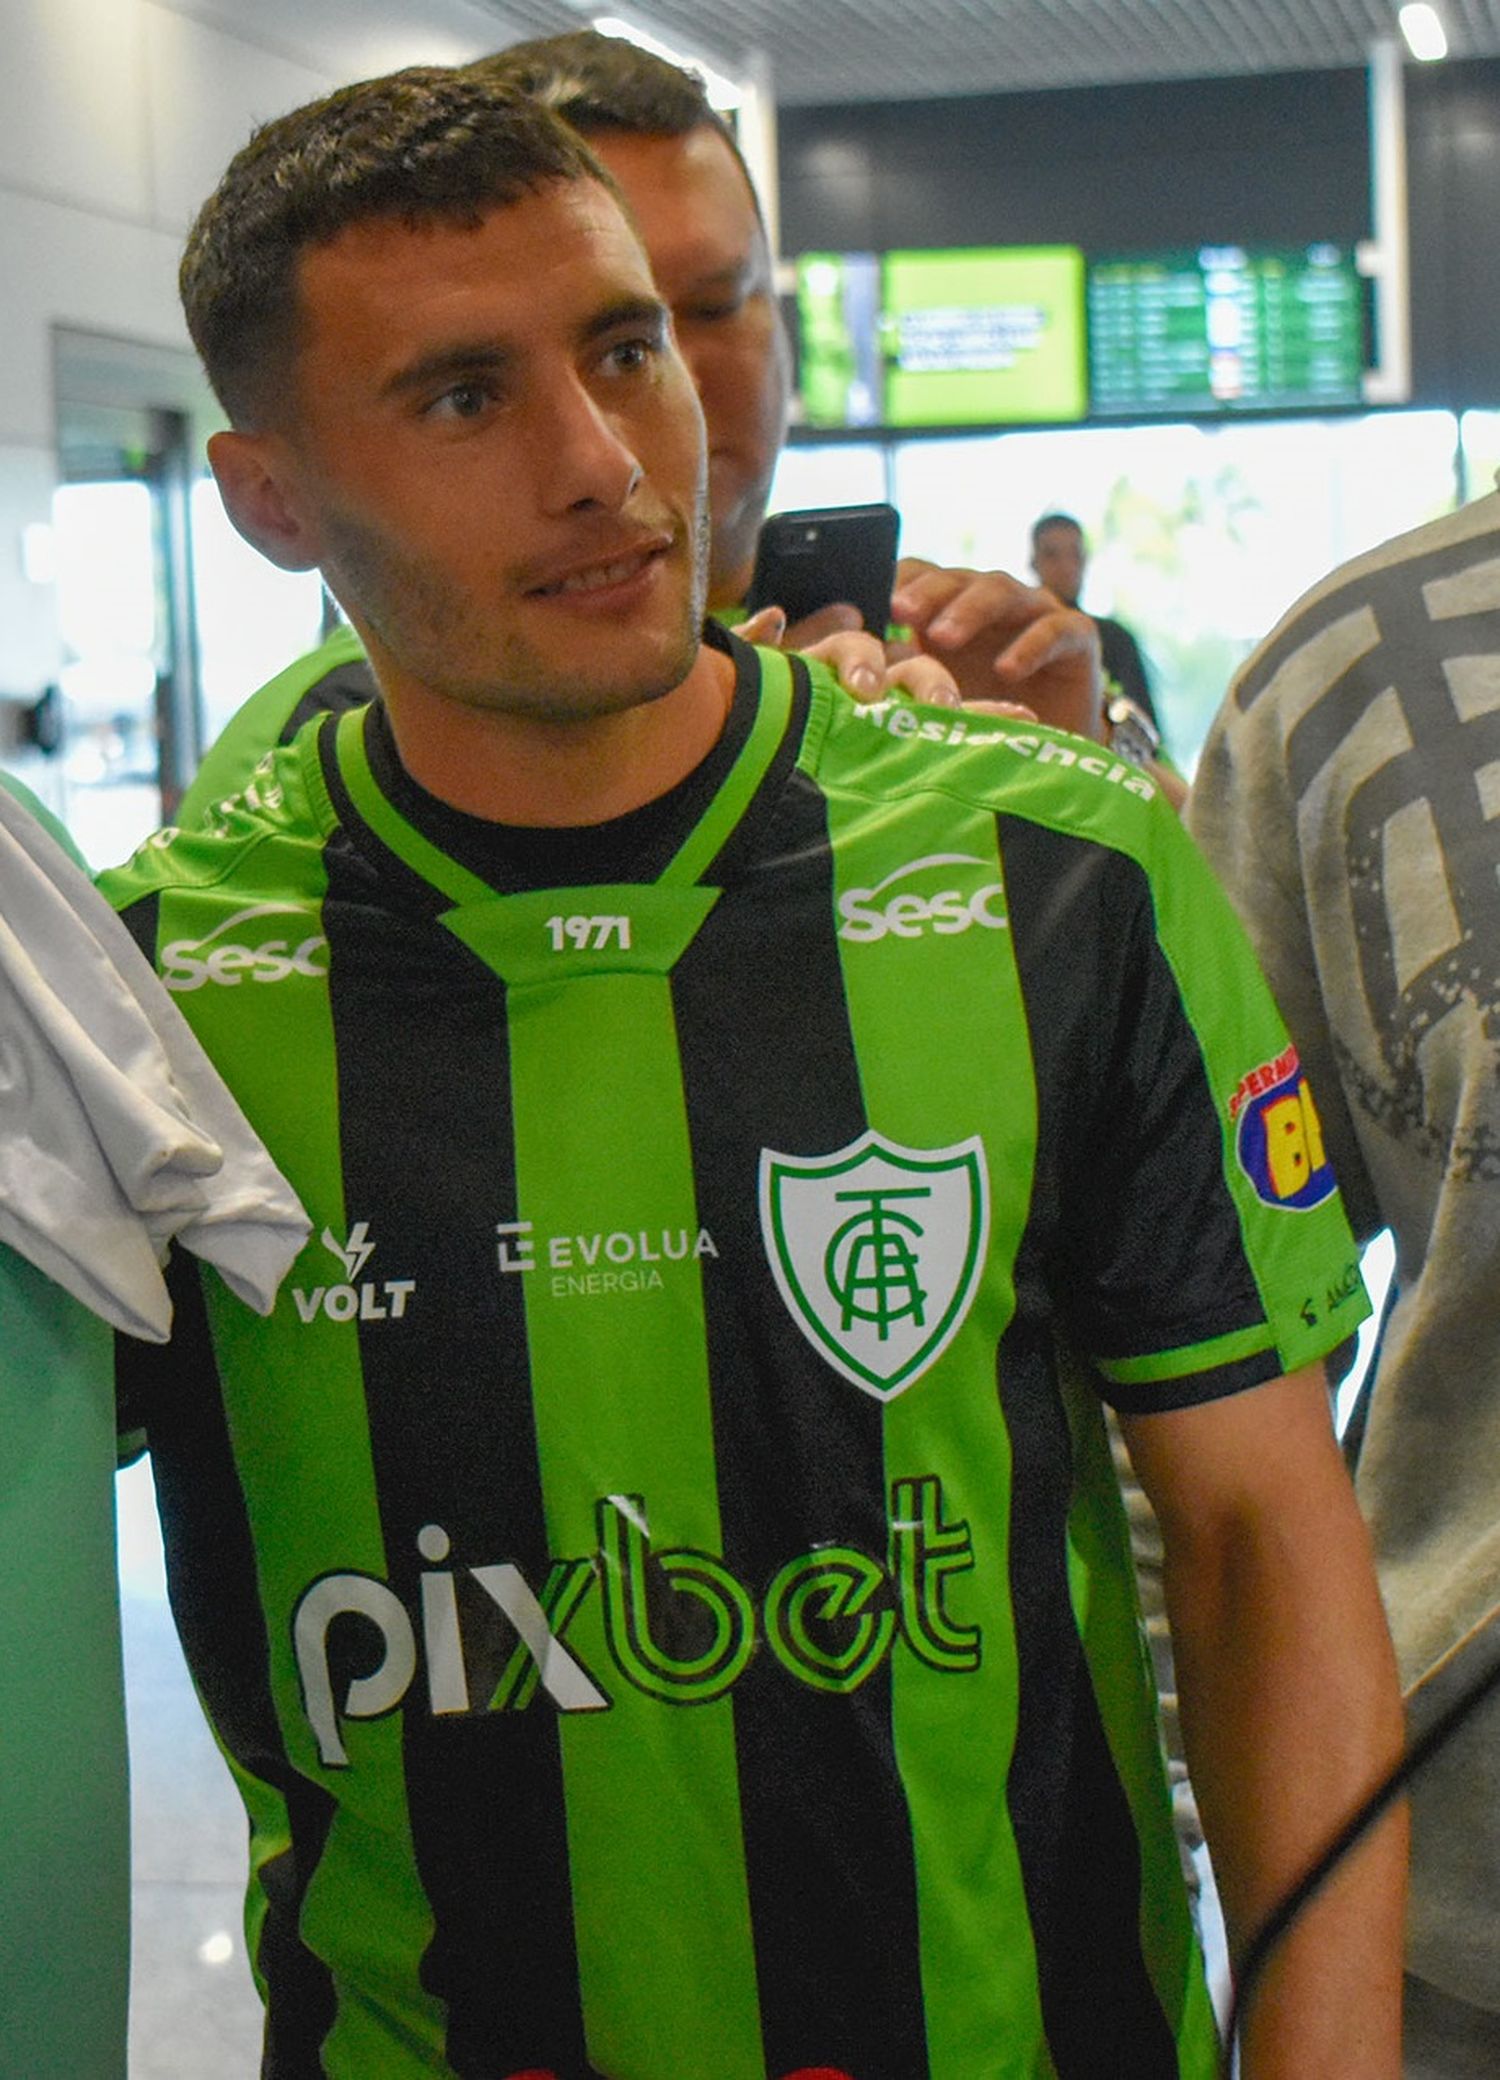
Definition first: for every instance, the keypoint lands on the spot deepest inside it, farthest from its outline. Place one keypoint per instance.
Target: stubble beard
(417, 622)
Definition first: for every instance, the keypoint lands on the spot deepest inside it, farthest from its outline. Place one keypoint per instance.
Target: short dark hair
(600, 83)
(1049, 523)
(429, 142)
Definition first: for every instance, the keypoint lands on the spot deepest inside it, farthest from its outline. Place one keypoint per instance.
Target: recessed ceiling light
(1423, 31)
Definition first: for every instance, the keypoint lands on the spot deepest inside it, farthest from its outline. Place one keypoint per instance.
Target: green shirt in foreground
(659, 1573)
(64, 1812)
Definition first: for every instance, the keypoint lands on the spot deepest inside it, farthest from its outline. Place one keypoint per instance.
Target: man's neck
(531, 772)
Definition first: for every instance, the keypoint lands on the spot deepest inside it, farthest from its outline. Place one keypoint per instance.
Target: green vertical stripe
(621, 1392)
(1101, 1573)
(309, 1487)
(942, 1044)
(772, 714)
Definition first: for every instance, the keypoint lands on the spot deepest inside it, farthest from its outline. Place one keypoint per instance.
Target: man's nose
(585, 458)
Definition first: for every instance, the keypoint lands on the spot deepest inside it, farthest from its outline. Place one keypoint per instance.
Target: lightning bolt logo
(356, 1252)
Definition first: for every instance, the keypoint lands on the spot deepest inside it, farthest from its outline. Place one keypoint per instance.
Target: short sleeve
(1202, 1246)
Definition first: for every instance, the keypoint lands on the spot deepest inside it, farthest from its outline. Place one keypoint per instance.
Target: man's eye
(628, 355)
(463, 401)
(712, 313)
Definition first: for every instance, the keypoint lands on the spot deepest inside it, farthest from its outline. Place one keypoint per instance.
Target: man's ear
(257, 487)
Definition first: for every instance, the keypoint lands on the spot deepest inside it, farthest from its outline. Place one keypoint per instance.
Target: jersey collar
(769, 677)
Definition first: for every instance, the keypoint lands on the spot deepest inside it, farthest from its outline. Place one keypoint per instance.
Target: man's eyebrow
(733, 276)
(627, 310)
(449, 364)
(481, 357)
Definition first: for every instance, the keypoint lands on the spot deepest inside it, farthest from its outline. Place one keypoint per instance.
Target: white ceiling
(850, 50)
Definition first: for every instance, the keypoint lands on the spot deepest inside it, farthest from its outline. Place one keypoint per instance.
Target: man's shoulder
(888, 750)
(1418, 584)
(1469, 533)
(333, 676)
(266, 839)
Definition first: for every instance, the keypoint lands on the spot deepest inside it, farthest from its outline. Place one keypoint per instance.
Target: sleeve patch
(1278, 1136)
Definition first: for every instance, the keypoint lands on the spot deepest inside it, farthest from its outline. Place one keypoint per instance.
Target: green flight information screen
(983, 336)
(838, 339)
(972, 336)
(1224, 329)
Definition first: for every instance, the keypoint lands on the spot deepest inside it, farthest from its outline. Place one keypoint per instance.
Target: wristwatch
(1133, 736)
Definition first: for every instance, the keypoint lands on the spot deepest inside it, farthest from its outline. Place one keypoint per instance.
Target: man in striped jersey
(658, 1577)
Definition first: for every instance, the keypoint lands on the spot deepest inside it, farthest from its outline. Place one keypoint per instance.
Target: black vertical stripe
(1075, 1834)
(768, 1061)
(428, 1165)
(350, 685)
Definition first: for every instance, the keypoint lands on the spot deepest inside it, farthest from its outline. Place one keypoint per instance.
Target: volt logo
(356, 1252)
(672, 1621)
(869, 914)
(189, 964)
(351, 1299)
(877, 1251)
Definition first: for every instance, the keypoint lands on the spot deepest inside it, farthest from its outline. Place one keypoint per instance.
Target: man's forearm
(1290, 1717)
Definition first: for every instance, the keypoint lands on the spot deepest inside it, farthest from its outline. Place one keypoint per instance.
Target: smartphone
(808, 560)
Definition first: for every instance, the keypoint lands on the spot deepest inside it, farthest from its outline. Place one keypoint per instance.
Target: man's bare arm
(1290, 1711)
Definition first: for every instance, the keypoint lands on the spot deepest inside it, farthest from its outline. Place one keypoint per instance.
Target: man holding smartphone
(976, 634)
(658, 1573)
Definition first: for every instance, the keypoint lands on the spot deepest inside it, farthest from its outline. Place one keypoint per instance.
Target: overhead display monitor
(977, 336)
(838, 339)
(985, 335)
(1225, 329)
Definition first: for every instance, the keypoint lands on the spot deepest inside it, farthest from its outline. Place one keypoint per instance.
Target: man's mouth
(600, 577)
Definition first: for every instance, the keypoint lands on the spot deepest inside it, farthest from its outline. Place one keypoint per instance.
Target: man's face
(1058, 561)
(498, 457)
(709, 256)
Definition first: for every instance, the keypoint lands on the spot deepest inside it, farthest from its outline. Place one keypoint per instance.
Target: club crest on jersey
(877, 1251)
(1278, 1135)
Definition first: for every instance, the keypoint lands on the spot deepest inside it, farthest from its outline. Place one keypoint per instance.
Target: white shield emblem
(877, 1251)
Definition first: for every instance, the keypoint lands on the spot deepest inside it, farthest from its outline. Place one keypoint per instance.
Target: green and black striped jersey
(658, 1575)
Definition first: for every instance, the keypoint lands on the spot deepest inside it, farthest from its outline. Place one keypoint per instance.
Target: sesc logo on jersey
(1278, 1136)
(189, 964)
(877, 1251)
(903, 912)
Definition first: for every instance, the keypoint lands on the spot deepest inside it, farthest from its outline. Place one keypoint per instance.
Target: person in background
(1059, 557)
(659, 1573)
(977, 634)
(1347, 797)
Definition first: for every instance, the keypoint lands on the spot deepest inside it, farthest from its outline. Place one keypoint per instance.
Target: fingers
(924, 679)
(768, 627)
(838, 619)
(859, 660)
(864, 666)
(1058, 635)
(1008, 711)
(949, 608)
